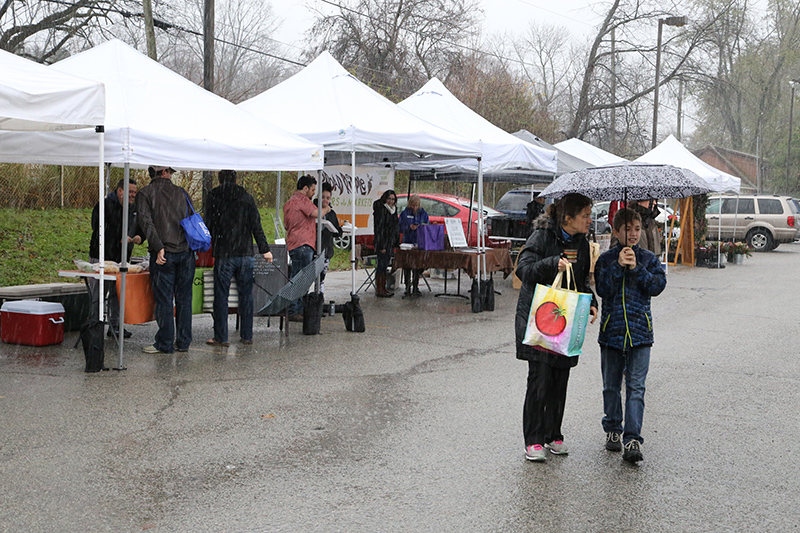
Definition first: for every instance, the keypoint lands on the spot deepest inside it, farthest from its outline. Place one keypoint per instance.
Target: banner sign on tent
(371, 183)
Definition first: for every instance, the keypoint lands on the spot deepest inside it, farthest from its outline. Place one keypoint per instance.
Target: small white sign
(604, 241)
(455, 232)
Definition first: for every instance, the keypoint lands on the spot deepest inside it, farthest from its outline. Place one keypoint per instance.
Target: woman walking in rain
(558, 240)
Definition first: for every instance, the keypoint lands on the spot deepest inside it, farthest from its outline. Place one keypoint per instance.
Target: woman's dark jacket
(328, 235)
(385, 226)
(113, 229)
(538, 263)
(626, 319)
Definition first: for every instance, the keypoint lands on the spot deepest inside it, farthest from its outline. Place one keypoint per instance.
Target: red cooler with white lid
(31, 322)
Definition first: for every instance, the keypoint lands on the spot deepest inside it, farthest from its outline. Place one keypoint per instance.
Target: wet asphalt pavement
(414, 425)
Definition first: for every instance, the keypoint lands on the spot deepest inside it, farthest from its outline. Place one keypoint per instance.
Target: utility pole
(208, 45)
(759, 183)
(680, 108)
(669, 21)
(208, 76)
(149, 30)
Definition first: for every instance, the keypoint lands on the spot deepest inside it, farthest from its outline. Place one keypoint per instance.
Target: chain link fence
(50, 187)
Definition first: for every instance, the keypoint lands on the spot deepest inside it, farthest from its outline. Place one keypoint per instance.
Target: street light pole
(669, 21)
(789, 146)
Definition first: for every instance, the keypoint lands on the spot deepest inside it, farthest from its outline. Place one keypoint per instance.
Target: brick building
(743, 166)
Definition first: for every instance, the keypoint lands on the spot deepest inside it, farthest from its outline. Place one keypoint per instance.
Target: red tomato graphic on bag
(550, 319)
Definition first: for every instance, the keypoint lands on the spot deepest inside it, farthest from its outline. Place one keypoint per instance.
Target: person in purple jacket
(412, 217)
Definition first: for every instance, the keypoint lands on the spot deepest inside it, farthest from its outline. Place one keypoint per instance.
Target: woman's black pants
(544, 403)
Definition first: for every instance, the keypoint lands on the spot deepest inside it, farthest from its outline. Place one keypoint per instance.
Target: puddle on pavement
(33, 359)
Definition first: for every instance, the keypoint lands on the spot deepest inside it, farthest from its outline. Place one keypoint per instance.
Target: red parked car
(439, 206)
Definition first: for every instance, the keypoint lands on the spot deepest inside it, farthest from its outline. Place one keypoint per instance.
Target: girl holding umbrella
(559, 238)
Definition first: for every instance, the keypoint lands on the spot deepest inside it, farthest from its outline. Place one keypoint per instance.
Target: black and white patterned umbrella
(296, 288)
(629, 181)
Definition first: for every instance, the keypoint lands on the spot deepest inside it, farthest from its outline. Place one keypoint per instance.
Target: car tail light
(790, 221)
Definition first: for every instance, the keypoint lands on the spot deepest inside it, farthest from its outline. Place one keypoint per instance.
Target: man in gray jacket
(161, 206)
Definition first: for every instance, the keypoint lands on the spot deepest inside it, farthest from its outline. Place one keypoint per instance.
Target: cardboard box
(32, 323)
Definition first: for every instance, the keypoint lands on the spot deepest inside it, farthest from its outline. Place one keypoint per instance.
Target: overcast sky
(499, 16)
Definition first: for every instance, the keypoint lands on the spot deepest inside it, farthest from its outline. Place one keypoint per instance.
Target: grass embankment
(35, 244)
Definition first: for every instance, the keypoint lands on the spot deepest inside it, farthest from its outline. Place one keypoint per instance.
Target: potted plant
(706, 254)
(735, 252)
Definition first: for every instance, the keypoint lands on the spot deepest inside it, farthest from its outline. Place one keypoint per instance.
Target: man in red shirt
(300, 216)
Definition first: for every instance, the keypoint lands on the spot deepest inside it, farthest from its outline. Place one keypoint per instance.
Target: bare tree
(550, 63)
(716, 84)
(247, 61)
(490, 88)
(633, 22)
(743, 89)
(40, 30)
(396, 45)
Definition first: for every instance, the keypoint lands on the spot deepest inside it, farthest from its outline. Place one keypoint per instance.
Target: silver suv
(764, 221)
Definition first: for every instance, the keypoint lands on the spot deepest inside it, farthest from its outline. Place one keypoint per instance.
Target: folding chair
(368, 263)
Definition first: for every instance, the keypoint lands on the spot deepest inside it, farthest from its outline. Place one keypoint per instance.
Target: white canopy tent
(501, 150)
(326, 104)
(434, 103)
(672, 152)
(588, 152)
(566, 162)
(156, 117)
(34, 97)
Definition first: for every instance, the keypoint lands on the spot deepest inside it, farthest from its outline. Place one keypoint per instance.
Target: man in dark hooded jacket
(113, 246)
(233, 221)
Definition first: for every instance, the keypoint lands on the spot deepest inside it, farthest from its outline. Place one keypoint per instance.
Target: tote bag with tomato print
(558, 317)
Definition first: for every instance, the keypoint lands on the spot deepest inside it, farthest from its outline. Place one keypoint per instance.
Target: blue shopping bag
(197, 235)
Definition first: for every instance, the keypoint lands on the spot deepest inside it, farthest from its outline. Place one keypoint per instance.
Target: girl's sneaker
(557, 447)
(536, 453)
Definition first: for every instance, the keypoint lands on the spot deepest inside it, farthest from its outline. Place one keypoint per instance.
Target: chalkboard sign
(268, 278)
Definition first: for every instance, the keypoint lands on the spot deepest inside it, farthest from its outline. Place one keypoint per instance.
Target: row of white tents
(146, 115)
(321, 116)
(327, 104)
